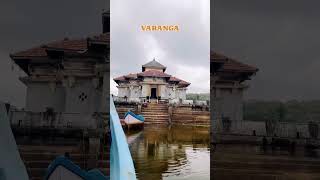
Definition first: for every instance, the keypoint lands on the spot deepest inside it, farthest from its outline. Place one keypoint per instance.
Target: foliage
(290, 111)
(198, 96)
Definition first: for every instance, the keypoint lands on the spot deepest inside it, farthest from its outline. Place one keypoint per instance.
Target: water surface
(242, 162)
(170, 153)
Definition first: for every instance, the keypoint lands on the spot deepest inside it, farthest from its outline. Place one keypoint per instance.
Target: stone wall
(282, 129)
(187, 115)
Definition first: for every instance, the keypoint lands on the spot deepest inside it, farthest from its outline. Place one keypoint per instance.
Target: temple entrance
(153, 93)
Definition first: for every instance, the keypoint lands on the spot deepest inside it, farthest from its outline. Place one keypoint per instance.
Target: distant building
(228, 82)
(151, 83)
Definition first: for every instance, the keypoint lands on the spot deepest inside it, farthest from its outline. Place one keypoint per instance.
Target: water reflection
(241, 161)
(176, 152)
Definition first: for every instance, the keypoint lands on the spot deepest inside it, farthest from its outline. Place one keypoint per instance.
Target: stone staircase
(156, 113)
(104, 159)
(38, 157)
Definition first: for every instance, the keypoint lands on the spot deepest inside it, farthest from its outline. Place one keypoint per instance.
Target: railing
(55, 119)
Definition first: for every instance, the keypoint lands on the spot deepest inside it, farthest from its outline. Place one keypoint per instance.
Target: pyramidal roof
(154, 64)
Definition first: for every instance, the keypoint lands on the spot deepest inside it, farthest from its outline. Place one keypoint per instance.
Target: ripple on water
(175, 153)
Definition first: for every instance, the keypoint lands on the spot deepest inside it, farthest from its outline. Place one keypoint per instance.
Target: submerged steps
(155, 113)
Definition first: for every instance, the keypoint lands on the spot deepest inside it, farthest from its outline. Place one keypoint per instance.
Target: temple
(152, 83)
(65, 77)
(67, 102)
(228, 82)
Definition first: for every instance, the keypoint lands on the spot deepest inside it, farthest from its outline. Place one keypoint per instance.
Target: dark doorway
(153, 93)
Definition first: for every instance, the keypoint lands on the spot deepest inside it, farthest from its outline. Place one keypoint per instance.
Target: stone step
(156, 119)
(45, 163)
(163, 111)
(157, 105)
(154, 105)
(154, 110)
(156, 122)
(166, 118)
(104, 163)
(152, 120)
(155, 114)
(56, 149)
(34, 156)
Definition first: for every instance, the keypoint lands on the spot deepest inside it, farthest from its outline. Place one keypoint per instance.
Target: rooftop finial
(154, 58)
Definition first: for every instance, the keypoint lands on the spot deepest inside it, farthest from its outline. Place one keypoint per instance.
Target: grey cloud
(131, 47)
(279, 37)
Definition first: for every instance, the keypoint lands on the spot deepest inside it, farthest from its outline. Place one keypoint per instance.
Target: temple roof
(231, 65)
(67, 45)
(83, 47)
(152, 73)
(184, 83)
(153, 64)
(174, 79)
(217, 57)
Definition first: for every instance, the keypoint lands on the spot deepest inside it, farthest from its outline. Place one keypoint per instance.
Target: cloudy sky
(185, 53)
(25, 24)
(281, 38)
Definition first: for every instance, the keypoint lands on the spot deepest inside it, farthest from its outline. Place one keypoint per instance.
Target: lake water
(170, 153)
(242, 162)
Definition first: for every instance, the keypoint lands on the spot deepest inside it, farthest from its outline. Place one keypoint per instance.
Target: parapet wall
(183, 114)
(282, 129)
(187, 115)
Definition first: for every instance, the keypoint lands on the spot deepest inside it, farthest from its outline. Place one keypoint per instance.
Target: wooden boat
(132, 120)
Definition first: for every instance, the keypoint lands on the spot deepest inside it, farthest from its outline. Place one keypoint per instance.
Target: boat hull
(133, 121)
(130, 120)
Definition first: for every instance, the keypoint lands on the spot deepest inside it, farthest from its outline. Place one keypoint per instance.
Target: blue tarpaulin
(139, 117)
(121, 163)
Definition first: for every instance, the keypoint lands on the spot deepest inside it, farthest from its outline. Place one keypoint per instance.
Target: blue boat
(121, 163)
(133, 120)
(63, 168)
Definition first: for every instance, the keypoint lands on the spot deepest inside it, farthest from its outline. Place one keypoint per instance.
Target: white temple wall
(163, 93)
(122, 91)
(41, 95)
(182, 94)
(154, 69)
(152, 80)
(82, 97)
(134, 94)
(170, 93)
(228, 103)
(145, 90)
